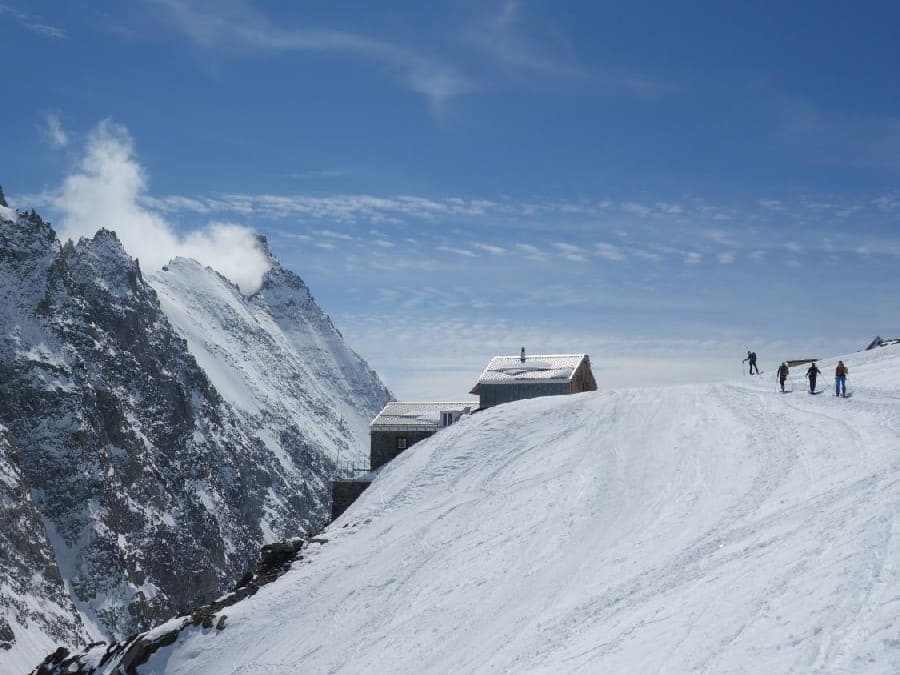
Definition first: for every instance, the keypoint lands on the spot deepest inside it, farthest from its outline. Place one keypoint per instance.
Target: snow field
(712, 528)
(293, 372)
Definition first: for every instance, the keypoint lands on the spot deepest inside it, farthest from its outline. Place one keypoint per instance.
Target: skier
(751, 357)
(811, 375)
(782, 374)
(840, 379)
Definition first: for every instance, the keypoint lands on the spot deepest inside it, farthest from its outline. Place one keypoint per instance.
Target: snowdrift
(712, 528)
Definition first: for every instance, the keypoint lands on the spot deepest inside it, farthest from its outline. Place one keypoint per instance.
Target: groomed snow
(719, 528)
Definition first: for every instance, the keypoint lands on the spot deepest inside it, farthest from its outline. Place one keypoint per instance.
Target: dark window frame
(402, 442)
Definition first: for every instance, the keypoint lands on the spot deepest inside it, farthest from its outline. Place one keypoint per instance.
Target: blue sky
(662, 187)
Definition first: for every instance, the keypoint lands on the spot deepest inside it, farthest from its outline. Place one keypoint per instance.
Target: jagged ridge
(155, 489)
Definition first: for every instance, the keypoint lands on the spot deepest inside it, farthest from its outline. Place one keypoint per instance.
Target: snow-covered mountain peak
(28, 248)
(25, 235)
(102, 263)
(284, 293)
(274, 354)
(159, 424)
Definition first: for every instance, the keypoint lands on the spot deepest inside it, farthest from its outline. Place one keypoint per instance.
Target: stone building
(400, 425)
(512, 378)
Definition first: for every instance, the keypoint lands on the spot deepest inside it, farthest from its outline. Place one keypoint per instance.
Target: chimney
(522, 355)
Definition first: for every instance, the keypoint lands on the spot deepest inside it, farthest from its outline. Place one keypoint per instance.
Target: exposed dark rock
(7, 637)
(126, 656)
(29, 600)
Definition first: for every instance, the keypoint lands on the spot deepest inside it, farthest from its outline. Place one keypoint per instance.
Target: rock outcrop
(128, 655)
(36, 611)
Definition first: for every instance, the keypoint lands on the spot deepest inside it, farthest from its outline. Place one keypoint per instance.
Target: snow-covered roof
(541, 367)
(418, 413)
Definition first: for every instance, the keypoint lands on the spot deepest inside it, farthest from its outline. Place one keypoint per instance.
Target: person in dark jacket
(811, 375)
(840, 379)
(751, 357)
(783, 371)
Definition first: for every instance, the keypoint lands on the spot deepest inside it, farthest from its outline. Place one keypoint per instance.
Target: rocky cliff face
(156, 489)
(36, 612)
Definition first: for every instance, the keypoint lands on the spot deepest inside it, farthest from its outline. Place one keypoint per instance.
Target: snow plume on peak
(106, 190)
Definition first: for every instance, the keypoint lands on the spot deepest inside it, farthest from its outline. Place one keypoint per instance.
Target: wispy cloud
(507, 231)
(31, 22)
(725, 258)
(331, 234)
(831, 136)
(693, 258)
(634, 208)
(455, 249)
(317, 173)
(490, 248)
(571, 251)
(236, 25)
(887, 202)
(524, 47)
(608, 251)
(531, 251)
(55, 132)
(644, 254)
(339, 208)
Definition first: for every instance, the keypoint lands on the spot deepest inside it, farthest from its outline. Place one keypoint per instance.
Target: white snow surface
(275, 356)
(718, 528)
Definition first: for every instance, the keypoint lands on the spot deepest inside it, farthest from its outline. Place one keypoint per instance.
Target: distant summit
(882, 342)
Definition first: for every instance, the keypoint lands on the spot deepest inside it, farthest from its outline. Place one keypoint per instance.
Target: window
(401, 442)
(446, 419)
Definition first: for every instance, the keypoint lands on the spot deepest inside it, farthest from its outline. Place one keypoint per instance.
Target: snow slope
(276, 357)
(718, 528)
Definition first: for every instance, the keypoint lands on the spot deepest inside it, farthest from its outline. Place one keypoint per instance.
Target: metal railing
(348, 470)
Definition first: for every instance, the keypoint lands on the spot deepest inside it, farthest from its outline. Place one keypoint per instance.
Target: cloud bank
(106, 190)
